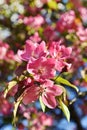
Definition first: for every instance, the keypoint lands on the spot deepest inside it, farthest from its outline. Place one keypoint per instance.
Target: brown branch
(74, 114)
(80, 95)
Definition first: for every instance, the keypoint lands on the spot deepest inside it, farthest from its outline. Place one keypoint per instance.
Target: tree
(43, 63)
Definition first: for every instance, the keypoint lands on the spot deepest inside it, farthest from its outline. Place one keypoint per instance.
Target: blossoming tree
(43, 60)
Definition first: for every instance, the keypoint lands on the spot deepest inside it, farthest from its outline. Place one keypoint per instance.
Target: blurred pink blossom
(77, 3)
(35, 37)
(66, 21)
(3, 50)
(83, 13)
(5, 106)
(34, 22)
(82, 33)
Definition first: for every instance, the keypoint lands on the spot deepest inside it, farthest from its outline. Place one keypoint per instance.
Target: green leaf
(16, 105)
(84, 59)
(64, 94)
(65, 82)
(42, 104)
(65, 110)
(9, 87)
(84, 75)
(52, 4)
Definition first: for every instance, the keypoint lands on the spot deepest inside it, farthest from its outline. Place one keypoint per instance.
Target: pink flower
(48, 92)
(41, 121)
(3, 50)
(45, 119)
(32, 50)
(76, 58)
(35, 37)
(26, 87)
(83, 14)
(44, 1)
(5, 106)
(34, 22)
(82, 33)
(60, 53)
(49, 33)
(76, 3)
(31, 94)
(10, 55)
(66, 21)
(42, 68)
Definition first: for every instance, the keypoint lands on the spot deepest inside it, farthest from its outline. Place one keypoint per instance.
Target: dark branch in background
(75, 118)
(80, 95)
(74, 114)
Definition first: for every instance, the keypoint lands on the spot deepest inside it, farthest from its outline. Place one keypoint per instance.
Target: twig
(80, 95)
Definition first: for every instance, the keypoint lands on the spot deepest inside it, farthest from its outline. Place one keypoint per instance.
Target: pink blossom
(45, 119)
(76, 3)
(6, 53)
(83, 13)
(34, 22)
(42, 121)
(66, 21)
(27, 111)
(44, 1)
(60, 53)
(31, 94)
(32, 50)
(82, 33)
(10, 55)
(35, 37)
(49, 33)
(3, 102)
(48, 92)
(3, 50)
(39, 121)
(16, 58)
(76, 58)
(42, 68)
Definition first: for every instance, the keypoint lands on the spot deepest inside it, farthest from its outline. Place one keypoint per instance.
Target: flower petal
(49, 100)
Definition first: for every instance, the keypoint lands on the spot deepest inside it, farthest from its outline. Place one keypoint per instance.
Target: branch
(80, 95)
(74, 114)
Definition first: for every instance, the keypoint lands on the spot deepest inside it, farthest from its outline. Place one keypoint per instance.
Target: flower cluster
(34, 22)
(6, 53)
(66, 21)
(43, 63)
(37, 120)
(3, 102)
(62, 26)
